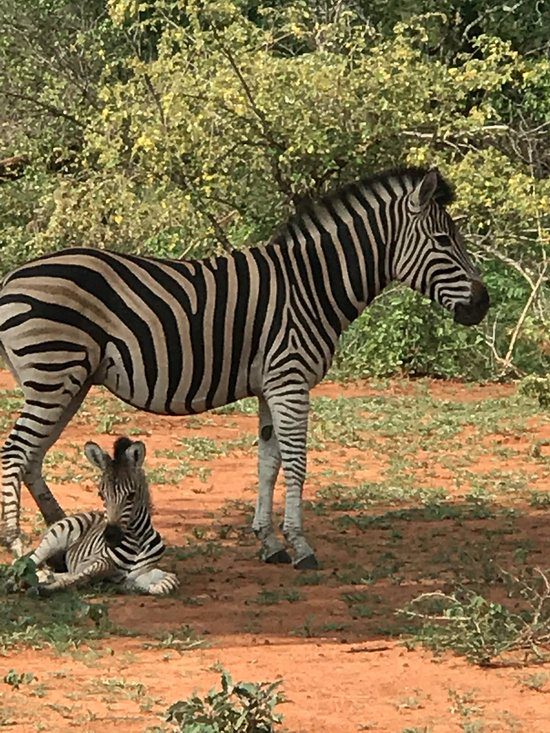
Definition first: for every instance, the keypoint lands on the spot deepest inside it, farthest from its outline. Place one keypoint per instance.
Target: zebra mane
(119, 449)
(444, 193)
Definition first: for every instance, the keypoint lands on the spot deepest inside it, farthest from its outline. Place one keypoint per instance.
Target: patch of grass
(354, 575)
(427, 513)
(411, 702)
(339, 497)
(248, 406)
(242, 707)
(539, 499)
(309, 578)
(63, 621)
(182, 640)
(116, 687)
(162, 475)
(537, 388)
(271, 597)
(201, 449)
(536, 681)
(307, 629)
(485, 631)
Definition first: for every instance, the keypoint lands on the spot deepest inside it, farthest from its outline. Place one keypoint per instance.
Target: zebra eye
(131, 495)
(443, 240)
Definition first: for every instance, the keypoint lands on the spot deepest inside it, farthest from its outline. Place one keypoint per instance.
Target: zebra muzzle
(113, 535)
(472, 313)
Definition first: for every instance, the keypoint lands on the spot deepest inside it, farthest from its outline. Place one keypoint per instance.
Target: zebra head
(122, 487)
(430, 255)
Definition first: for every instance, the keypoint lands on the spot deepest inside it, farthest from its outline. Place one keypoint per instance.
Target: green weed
(16, 679)
(271, 597)
(242, 707)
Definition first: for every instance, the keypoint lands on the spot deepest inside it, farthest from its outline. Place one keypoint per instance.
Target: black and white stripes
(181, 337)
(119, 544)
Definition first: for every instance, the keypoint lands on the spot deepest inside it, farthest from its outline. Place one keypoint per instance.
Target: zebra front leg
(290, 413)
(269, 463)
(96, 570)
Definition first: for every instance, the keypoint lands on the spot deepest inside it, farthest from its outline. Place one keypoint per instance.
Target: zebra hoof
(281, 557)
(309, 562)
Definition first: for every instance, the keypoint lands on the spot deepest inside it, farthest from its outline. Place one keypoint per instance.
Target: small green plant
(242, 707)
(20, 574)
(16, 679)
(536, 681)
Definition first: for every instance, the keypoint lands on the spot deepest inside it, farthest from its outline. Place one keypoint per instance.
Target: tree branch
(52, 109)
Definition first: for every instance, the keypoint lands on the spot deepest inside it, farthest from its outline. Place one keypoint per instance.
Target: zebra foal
(118, 544)
(181, 337)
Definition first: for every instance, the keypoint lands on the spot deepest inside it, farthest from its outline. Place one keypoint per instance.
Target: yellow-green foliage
(192, 127)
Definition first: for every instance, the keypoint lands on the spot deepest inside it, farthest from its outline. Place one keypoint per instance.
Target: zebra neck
(346, 245)
(141, 523)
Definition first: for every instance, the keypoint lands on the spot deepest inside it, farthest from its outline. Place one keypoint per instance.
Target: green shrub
(242, 707)
(482, 630)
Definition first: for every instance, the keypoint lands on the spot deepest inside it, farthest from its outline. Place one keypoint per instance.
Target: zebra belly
(180, 404)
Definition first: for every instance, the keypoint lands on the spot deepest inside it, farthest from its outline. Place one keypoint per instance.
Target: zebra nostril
(113, 535)
(473, 312)
(480, 296)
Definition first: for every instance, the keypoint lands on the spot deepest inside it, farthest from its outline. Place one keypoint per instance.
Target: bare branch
(523, 316)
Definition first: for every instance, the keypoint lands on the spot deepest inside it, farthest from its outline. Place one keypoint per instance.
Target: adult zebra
(181, 337)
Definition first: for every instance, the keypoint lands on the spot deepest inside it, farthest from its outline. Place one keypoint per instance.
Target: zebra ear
(97, 456)
(135, 454)
(423, 193)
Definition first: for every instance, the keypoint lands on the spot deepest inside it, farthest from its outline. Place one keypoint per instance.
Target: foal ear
(423, 193)
(135, 454)
(97, 456)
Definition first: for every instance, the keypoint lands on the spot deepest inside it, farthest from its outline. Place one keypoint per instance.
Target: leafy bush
(242, 707)
(177, 129)
(20, 574)
(485, 631)
(537, 387)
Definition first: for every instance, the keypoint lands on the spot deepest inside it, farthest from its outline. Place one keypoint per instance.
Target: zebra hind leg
(290, 413)
(154, 581)
(269, 463)
(42, 419)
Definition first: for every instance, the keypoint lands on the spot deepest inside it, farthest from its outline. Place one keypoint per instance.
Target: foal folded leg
(95, 570)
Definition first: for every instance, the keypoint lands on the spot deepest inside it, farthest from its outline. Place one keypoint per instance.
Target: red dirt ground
(341, 674)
